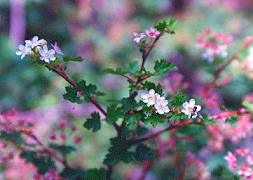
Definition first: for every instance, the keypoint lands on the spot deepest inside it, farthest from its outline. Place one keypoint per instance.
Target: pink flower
(63, 124)
(245, 171)
(138, 37)
(77, 139)
(250, 160)
(56, 48)
(152, 33)
(231, 159)
(242, 152)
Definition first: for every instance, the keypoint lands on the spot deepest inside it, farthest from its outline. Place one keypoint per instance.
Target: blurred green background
(101, 32)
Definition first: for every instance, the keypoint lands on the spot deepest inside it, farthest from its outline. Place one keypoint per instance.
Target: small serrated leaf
(162, 67)
(93, 123)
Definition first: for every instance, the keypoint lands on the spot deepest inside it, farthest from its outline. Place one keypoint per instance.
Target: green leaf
(131, 120)
(72, 58)
(162, 67)
(208, 121)
(149, 85)
(155, 119)
(114, 113)
(178, 100)
(71, 95)
(169, 25)
(63, 149)
(128, 104)
(144, 153)
(132, 67)
(233, 120)
(88, 90)
(118, 152)
(93, 123)
(12, 137)
(141, 131)
(95, 174)
(73, 174)
(120, 72)
(85, 90)
(41, 162)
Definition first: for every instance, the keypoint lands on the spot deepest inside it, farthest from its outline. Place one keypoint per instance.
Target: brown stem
(168, 128)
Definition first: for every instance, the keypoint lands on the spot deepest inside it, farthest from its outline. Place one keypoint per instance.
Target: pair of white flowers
(152, 98)
(190, 109)
(39, 46)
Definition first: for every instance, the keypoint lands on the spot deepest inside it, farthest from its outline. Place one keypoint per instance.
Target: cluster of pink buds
(149, 34)
(10, 122)
(61, 136)
(214, 45)
(245, 168)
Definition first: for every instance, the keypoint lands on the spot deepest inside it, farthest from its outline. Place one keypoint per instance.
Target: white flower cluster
(190, 109)
(36, 45)
(152, 98)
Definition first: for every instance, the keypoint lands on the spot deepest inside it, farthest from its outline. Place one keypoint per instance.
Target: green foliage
(178, 100)
(162, 67)
(42, 163)
(155, 119)
(168, 25)
(128, 104)
(120, 72)
(85, 90)
(12, 137)
(144, 153)
(141, 131)
(114, 113)
(71, 95)
(232, 120)
(149, 85)
(179, 116)
(93, 123)
(62, 149)
(118, 152)
(72, 58)
(95, 174)
(73, 174)
(208, 121)
(131, 120)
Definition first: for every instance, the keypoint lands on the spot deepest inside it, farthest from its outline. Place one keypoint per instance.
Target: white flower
(149, 98)
(161, 105)
(35, 42)
(47, 55)
(190, 109)
(23, 51)
(152, 33)
(138, 37)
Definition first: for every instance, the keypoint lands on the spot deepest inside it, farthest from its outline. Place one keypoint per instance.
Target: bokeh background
(100, 31)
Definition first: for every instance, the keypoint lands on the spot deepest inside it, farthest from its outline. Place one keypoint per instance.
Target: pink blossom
(63, 124)
(250, 159)
(77, 139)
(245, 171)
(231, 159)
(242, 152)
(213, 44)
(152, 33)
(56, 48)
